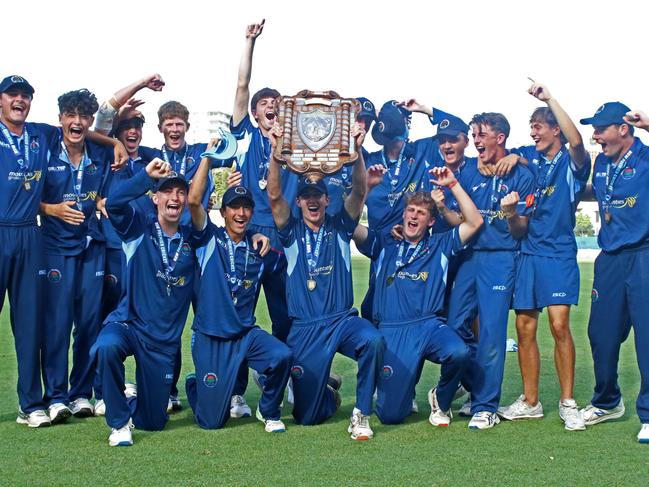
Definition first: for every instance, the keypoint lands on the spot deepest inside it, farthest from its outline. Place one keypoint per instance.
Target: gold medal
(607, 216)
(27, 185)
(311, 284)
(262, 184)
(389, 280)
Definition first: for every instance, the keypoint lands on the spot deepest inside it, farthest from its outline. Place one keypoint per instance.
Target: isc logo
(499, 288)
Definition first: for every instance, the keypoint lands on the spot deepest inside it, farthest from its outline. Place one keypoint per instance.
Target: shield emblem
(316, 128)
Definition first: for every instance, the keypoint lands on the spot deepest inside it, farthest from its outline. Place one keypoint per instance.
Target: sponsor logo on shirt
(54, 275)
(416, 276)
(99, 274)
(629, 202)
(55, 168)
(20, 175)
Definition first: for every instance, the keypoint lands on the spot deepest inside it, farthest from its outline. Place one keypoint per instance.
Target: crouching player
(320, 297)
(409, 301)
(225, 333)
(150, 317)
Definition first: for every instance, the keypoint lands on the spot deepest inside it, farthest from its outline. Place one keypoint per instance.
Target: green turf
(523, 453)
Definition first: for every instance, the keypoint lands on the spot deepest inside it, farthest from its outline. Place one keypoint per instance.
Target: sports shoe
(465, 410)
(130, 390)
(81, 408)
(35, 419)
(359, 426)
(174, 404)
(337, 397)
(437, 416)
(59, 413)
(100, 407)
(414, 409)
(483, 420)
(593, 415)
(643, 435)
(335, 381)
(569, 413)
(122, 436)
(519, 409)
(239, 407)
(271, 425)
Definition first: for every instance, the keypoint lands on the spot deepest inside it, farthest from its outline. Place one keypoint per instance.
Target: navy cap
(367, 109)
(15, 81)
(452, 126)
(306, 185)
(173, 180)
(237, 193)
(392, 124)
(609, 113)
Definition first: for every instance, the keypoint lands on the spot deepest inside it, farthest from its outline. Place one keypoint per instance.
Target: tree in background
(583, 226)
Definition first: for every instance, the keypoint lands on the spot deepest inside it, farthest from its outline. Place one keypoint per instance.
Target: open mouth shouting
(173, 210)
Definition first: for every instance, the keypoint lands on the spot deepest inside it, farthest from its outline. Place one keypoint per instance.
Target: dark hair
(545, 115)
(263, 93)
(82, 101)
(172, 109)
(424, 199)
(496, 121)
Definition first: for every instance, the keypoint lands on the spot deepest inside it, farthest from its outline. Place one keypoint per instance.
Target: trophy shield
(317, 137)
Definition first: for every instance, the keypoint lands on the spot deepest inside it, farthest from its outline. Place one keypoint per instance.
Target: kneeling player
(150, 317)
(225, 334)
(409, 302)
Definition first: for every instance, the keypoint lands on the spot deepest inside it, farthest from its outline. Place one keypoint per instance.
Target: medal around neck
(317, 137)
(311, 284)
(225, 149)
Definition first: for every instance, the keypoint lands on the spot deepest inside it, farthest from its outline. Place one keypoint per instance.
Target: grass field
(524, 453)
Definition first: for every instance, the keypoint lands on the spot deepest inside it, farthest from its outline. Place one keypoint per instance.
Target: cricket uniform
(149, 320)
(320, 297)
(23, 169)
(619, 297)
(484, 283)
(408, 305)
(225, 333)
(74, 271)
(547, 272)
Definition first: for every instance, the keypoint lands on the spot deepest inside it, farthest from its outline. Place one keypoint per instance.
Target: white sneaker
(519, 409)
(130, 390)
(35, 419)
(174, 404)
(359, 426)
(483, 420)
(81, 408)
(643, 435)
(437, 416)
(59, 413)
(271, 425)
(569, 413)
(465, 410)
(414, 409)
(122, 436)
(239, 407)
(593, 415)
(100, 408)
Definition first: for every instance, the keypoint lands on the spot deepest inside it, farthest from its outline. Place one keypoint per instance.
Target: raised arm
(278, 204)
(242, 97)
(470, 214)
(638, 119)
(197, 190)
(356, 199)
(575, 143)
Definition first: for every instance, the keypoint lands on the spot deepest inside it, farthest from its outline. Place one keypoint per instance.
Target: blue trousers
(408, 344)
(114, 270)
(153, 375)
(217, 363)
(73, 291)
(314, 345)
(483, 287)
(619, 301)
(20, 263)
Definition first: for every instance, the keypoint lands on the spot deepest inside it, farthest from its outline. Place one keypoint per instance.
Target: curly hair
(82, 101)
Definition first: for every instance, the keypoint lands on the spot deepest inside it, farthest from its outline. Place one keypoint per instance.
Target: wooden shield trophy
(317, 137)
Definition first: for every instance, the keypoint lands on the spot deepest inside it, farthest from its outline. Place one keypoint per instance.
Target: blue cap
(174, 179)
(452, 126)
(15, 81)
(368, 110)
(392, 124)
(306, 185)
(609, 113)
(237, 193)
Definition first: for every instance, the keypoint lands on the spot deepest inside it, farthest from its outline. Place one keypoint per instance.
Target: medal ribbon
(183, 161)
(542, 183)
(23, 163)
(168, 266)
(610, 181)
(394, 179)
(418, 252)
(312, 254)
(234, 280)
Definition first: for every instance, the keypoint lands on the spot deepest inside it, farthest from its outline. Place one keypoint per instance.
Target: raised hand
(375, 175)
(358, 133)
(637, 119)
(540, 92)
(234, 179)
(442, 176)
(254, 30)
(274, 134)
(261, 243)
(438, 198)
(154, 82)
(508, 204)
(158, 168)
(413, 105)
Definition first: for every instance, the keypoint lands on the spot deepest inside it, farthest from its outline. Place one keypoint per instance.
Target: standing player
(320, 297)
(619, 297)
(547, 273)
(24, 153)
(159, 284)
(485, 279)
(225, 333)
(409, 301)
